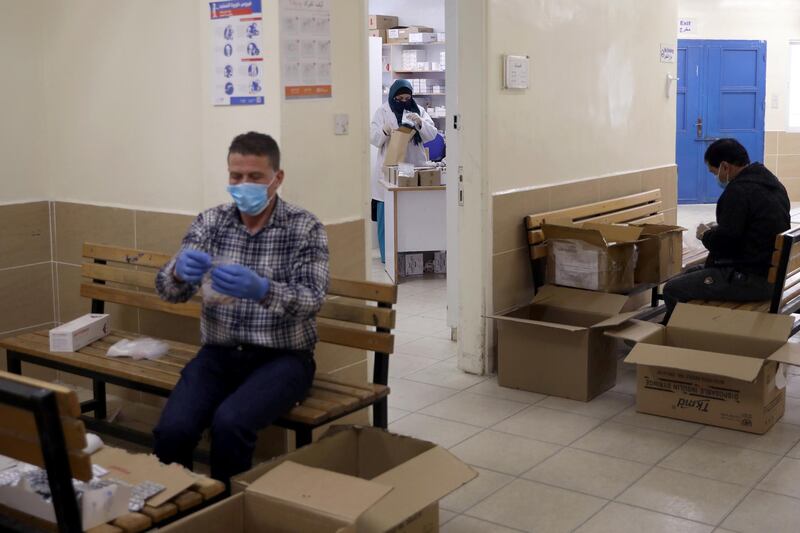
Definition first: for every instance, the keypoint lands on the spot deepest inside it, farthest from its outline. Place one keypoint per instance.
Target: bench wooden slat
(354, 338)
(121, 254)
(21, 424)
(363, 290)
(133, 522)
(139, 278)
(187, 500)
(321, 383)
(139, 299)
(208, 488)
(30, 451)
(596, 208)
(655, 219)
(627, 215)
(160, 513)
(67, 400)
(171, 358)
(357, 313)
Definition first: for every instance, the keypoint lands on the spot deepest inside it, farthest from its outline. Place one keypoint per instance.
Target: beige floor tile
(430, 347)
(445, 516)
(417, 324)
(412, 396)
(402, 338)
(401, 365)
(626, 381)
(762, 512)
(439, 312)
(444, 333)
(446, 374)
(792, 413)
(661, 423)
(548, 425)
(794, 453)
(445, 433)
(720, 462)
(467, 524)
(491, 388)
(604, 406)
(474, 409)
(587, 472)
(476, 490)
(535, 507)
(396, 414)
(503, 452)
(779, 439)
(784, 478)
(684, 495)
(630, 442)
(618, 518)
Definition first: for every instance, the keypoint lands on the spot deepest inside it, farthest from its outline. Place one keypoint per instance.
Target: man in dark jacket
(751, 211)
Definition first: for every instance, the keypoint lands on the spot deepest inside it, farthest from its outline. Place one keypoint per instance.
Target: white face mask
(722, 183)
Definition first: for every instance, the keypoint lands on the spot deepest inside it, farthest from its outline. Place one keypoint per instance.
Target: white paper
(237, 76)
(306, 48)
(517, 72)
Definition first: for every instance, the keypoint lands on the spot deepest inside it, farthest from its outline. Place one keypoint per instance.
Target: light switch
(341, 124)
(775, 101)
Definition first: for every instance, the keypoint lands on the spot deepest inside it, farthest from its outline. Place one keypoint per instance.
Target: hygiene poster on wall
(306, 48)
(237, 77)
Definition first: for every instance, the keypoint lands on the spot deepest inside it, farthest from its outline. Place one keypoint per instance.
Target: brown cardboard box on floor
(555, 345)
(398, 143)
(713, 365)
(660, 254)
(353, 479)
(597, 257)
(382, 22)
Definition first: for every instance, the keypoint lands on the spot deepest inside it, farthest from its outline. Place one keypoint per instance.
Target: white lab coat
(415, 153)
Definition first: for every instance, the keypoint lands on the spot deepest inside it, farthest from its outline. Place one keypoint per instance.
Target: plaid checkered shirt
(291, 251)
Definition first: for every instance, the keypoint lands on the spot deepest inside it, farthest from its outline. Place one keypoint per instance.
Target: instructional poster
(236, 28)
(306, 48)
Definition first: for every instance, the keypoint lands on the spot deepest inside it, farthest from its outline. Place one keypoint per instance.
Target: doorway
(721, 91)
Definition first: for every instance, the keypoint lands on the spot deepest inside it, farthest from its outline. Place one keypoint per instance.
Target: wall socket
(341, 124)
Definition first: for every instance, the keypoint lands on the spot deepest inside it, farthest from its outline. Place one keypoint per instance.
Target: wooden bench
(41, 427)
(356, 314)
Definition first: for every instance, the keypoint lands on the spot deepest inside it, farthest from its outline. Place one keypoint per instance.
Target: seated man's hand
(701, 230)
(240, 282)
(191, 265)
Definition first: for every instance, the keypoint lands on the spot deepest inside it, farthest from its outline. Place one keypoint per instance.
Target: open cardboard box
(660, 254)
(353, 479)
(598, 257)
(713, 365)
(555, 345)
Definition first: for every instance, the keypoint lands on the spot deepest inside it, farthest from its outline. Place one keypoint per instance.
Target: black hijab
(403, 87)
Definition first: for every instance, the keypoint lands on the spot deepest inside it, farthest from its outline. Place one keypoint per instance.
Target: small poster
(686, 26)
(306, 48)
(667, 53)
(237, 77)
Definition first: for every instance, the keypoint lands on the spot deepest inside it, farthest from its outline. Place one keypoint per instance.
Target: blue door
(720, 94)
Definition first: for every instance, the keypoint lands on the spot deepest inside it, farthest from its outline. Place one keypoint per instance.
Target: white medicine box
(74, 335)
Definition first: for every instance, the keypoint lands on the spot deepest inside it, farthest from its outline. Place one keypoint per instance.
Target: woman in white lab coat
(387, 118)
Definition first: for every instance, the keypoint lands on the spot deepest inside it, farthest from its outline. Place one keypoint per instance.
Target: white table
(415, 221)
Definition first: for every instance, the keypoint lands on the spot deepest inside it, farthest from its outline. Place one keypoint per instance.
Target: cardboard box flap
(789, 353)
(660, 229)
(576, 299)
(616, 232)
(417, 484)
(635, 330)
(732, 366)
(616, 320)
(338, 495)
(732, 322)
(561, 231)
(556, 325)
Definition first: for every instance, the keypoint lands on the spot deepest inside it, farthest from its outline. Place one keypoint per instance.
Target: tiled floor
(546, 464)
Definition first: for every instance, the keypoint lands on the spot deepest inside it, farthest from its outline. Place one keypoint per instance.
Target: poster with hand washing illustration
(237, 51)
(305, 48)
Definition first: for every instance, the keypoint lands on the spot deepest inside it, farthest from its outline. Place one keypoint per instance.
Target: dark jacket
(751, 211)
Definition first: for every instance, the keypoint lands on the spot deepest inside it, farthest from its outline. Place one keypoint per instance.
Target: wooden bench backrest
(19, 433)
(641, 208)
(785, 272)
(350, 306)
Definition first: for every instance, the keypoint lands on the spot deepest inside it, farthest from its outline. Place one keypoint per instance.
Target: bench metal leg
(99, 402)
(302, 437)
(380, 413)
(655, 298)
(13, 363)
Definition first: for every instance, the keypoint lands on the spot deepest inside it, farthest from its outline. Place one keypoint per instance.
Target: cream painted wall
(597, 102)
(21, 97)
(774, 21)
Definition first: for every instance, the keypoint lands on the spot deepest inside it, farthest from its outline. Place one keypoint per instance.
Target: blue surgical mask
(722, 184)
(250, 198)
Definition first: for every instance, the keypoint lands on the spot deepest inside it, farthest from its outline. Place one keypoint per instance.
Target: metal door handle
(699, 126)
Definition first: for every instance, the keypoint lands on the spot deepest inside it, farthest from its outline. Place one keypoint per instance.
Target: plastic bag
(141, 348)
(407, 120)
(210, 296)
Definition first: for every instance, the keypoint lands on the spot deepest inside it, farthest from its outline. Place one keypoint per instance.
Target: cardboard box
(598, 257)
(401, 35)
(429, 177)
(421, 37)
(353, 479)
(398, 143)
(440, 262)
(390, 174)
(660, 253)
(76, 334)
(407, 181)
(411, 264)
(555, 345)
(713, 365)
(383, 22)
(378, 33)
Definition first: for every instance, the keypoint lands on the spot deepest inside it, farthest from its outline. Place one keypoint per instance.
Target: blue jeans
(236, 391)
(381, 232)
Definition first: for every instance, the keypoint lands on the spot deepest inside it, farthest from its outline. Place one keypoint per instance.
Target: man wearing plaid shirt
(256, 360)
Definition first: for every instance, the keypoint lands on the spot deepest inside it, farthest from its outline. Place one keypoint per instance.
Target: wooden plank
(133, 522)
(334, 398)
(126, 276)
(754, 306)
(208, 488)
(176, 349)
(363, 290)
(139, 299)
(538, 252)
(354, 338)
(655, 219)
(358, 314)
(626, 215)
(596, 208)
(30, 451)
(329, 408)
(160, 513)
(121, 254)
(21, 424)
(322, 384)
(187, 500)
(790, 294)
(306, 415)
(67, 400)
(104, 528)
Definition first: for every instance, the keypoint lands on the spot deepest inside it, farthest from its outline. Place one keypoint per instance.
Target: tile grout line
(26, 327)
(53, 268)
(17, 267)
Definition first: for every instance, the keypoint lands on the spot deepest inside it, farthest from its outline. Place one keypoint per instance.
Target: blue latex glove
(191, 265)
(240, 282)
